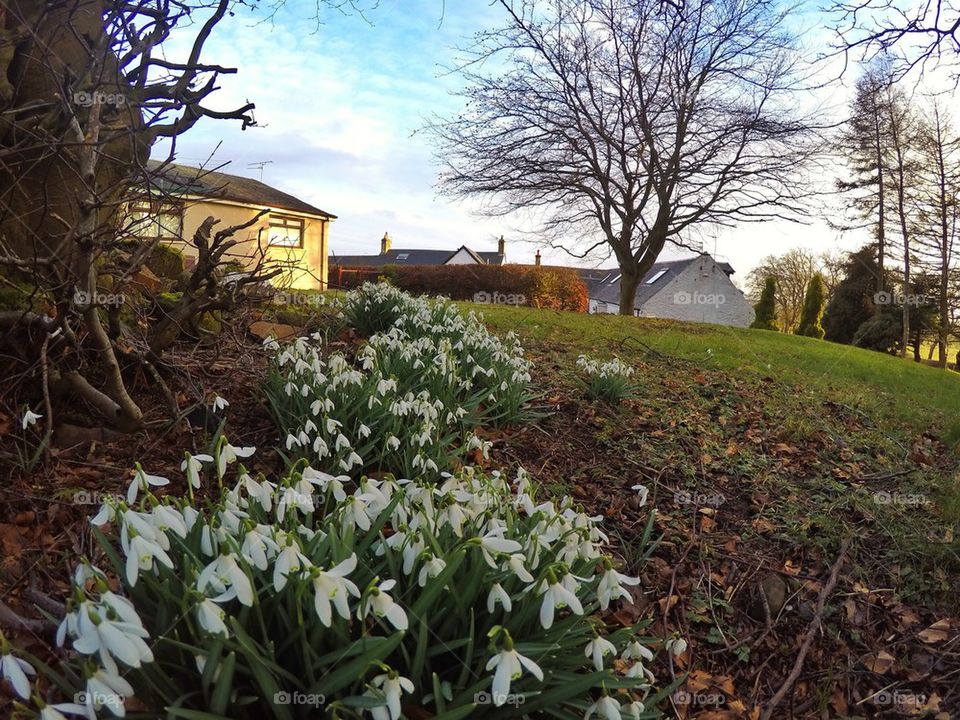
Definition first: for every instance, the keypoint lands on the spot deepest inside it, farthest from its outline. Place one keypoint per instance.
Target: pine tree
(813, 304)
(766, 308)
(851, 302)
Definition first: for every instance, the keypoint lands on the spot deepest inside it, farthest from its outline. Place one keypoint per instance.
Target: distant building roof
(183, 179)
(604, 284)
(414, 256)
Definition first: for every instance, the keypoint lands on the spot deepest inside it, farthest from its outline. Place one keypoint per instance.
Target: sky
(339, 106)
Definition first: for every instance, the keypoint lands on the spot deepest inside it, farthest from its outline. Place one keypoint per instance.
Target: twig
(47, 405)
(810, 632)
(44, 601)
(9, 618)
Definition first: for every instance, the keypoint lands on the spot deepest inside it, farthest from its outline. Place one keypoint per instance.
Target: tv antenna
(259, 165)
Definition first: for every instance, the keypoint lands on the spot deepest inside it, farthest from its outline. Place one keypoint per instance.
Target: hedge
(541, 286)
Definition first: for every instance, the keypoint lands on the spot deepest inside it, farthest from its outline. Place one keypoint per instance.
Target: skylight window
(403, 256)
(657, 276)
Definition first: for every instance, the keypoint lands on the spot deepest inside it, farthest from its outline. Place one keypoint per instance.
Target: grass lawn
(885, 387)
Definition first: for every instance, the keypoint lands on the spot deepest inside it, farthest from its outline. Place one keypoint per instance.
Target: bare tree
(86, 89)
(920, 34)
(937, 221)
(626, 124)
(793, 271)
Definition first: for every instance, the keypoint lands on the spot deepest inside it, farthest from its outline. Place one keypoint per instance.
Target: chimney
(501, 246)
(385, 244)
(537, 258)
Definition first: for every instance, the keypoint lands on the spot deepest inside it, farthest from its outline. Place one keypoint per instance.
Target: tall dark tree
(813, 304)
(851, 303)
(937, 220)
(626, 124)
(864, 143)
(766, 308)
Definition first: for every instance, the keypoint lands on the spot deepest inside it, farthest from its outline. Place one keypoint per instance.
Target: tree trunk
(628, 291)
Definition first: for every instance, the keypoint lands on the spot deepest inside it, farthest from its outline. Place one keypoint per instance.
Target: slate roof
(413, 256)
(604, 284)
(181, 179)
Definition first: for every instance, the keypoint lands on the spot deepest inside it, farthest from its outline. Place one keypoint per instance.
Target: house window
(286, 231)
(156, 219)
(403, 256)
(657, 276)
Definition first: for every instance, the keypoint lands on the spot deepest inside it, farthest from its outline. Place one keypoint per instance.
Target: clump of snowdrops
(410, 398)
(310, 595)
(608, 381)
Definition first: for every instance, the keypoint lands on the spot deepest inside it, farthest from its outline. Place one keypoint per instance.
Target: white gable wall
(461, 257)
(702, 292)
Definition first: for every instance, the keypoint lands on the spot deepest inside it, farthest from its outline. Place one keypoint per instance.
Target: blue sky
(339, 106)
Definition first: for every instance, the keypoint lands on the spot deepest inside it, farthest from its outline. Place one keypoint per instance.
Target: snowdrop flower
(225, 576)
(218, 403)
(112, 639)
(634, 709)
(325, 482)
(333, 585)
(610, 586)
(605, 707)
(291, 441)
(509, 666)
(638, 670)
(258, 547)
(289, 560)
(56, 711)
(555, 595)
(143, 481)
(393, 443)
(642, 491)
(636, 651)
(210, 615)
(676, 645)
(109, 690)
(192, 465)
(383, 606)
(391, 686)
(15, 671)
(229, 454)
(498, 595)
(597, 648)
(29, 418)
(515, 565)
(431, 568)
(493, 543)
(141, 553)
(262, 492)
(354, 511)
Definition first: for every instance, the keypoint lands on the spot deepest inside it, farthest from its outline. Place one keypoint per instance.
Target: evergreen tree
(851, 303)
(766, 308)
(813, 303)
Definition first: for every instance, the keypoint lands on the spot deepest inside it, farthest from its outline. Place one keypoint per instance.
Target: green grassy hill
(885, 387)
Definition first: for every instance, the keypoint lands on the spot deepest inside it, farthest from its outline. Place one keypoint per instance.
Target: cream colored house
(292, 233)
